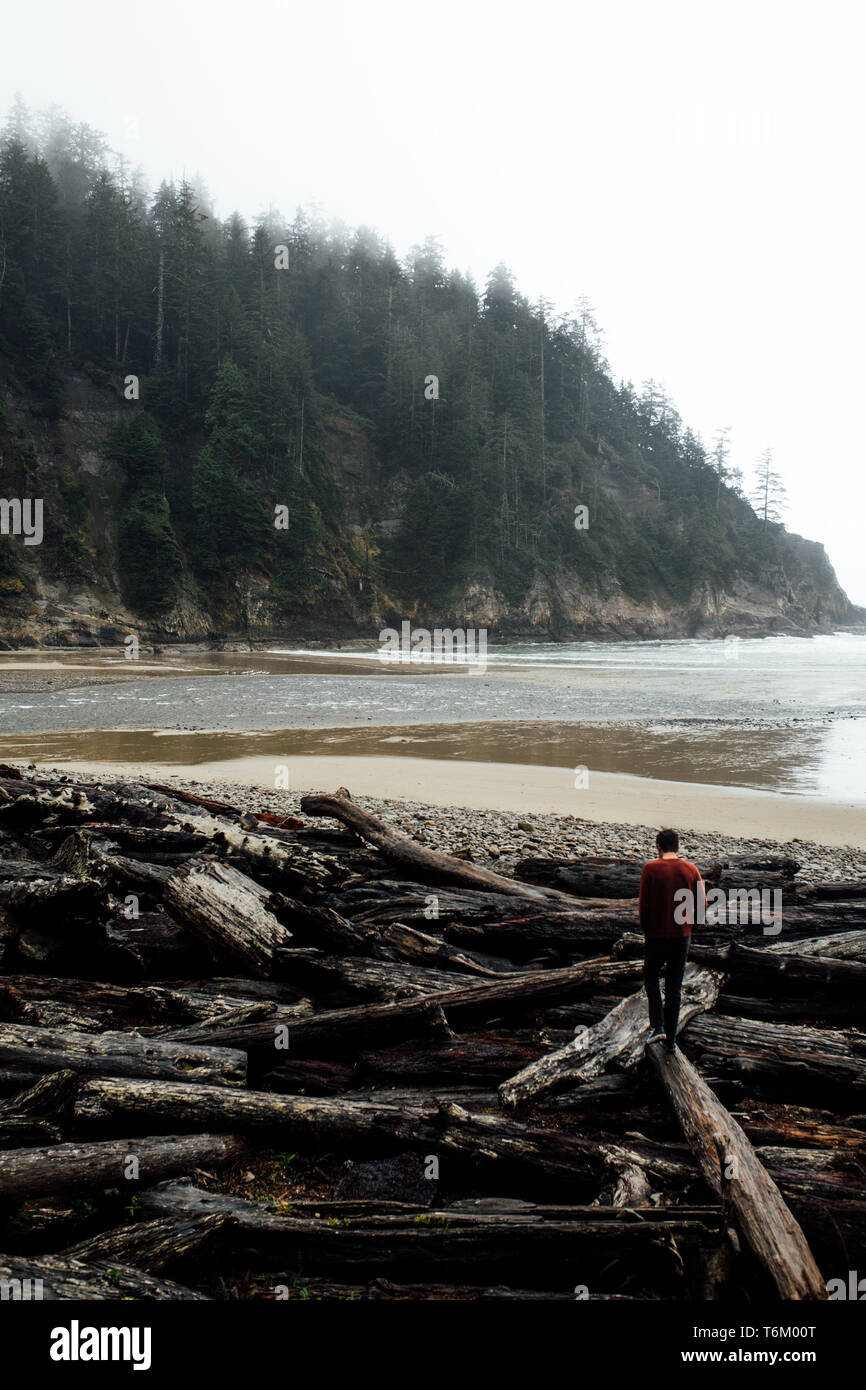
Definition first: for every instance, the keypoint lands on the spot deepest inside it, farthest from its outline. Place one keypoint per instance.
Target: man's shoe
(657, 1036)
(671, 1046)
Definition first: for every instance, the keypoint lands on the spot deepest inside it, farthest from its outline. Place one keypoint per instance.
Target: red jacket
(661, 912)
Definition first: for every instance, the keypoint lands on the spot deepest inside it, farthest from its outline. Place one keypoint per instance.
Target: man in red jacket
(671, 892)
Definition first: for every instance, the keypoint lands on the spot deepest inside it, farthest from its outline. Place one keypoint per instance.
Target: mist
(689, 170)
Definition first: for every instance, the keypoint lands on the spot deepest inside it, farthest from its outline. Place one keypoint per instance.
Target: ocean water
(786, 714)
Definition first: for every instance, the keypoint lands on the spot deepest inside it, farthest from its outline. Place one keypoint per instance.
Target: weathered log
(732, 1169)
(22, 1133)
(16, 866)
(448, 1235)
(809, 1129)
(619, 1037)
(252, 1012)
(808, 1061)
(321, 926)
(293, 868)
(834, 888)
(228, 912)
(518, 1151)
(154, 1245)
(39, 1115)
(628, 1187)
(55, 1277)
(385, 900)
(423, 862)
(474, 1060)
(143, 840)
(373, 980)
(111, 1006)
(52, 1097)
(370, 1024)
(850, 945)
(773, 863)
(152, 946)
(314, 1077)
(387, 1291)
(738, 880)
(785, 972)
(119, 1054)
(815, 918)
(51, 898)
(219, 808)
(811, 1174)
(26, 1173)
(469, 1060)
(592, 928)
(421, 948)
(598, 876)
(334, 1031)
(820, 1013)
(590, 876)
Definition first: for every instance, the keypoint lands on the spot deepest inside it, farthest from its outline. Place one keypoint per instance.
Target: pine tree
(769, 493)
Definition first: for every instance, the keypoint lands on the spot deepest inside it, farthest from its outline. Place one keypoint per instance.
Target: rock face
(67, 591)
(559, 607)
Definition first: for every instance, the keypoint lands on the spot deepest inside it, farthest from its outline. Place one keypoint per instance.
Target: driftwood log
(620, 1037)
(28, 1173)
(323, 1008)
(228, 911)
(730, 1166)
(56, 1277)
(118, 1054)
(400, 849)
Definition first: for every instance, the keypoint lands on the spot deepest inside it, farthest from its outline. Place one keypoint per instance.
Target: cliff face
(67, 590)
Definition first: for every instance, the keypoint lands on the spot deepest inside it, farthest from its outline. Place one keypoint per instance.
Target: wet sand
(824, 762)
(524, 789)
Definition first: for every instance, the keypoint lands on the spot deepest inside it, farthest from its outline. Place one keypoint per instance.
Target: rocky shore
(496, 839)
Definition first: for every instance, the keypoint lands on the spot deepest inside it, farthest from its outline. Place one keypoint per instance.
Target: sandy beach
(608, 797)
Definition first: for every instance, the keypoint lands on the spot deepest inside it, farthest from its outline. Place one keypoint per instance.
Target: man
(669, 889)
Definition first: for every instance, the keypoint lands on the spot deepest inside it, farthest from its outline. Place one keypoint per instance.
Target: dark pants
(669, 954)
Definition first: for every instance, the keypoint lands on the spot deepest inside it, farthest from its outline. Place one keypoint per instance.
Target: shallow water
(780, 714)
(823, 763)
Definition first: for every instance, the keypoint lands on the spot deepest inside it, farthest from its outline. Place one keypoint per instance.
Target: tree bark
(154, 1245)
(802, 1060)
(227, 911)
(447, 1236)
(370, 1024)
(119, 1054)
(732, 1169)
(27, 1173)
(56, 1277)
(424, 863)
(620, 1037)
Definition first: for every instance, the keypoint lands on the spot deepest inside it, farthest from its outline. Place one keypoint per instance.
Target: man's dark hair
(668, 841)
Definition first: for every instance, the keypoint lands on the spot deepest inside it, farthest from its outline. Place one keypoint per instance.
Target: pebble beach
(499, 839)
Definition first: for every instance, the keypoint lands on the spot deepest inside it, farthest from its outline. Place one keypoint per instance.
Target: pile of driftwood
(184, 987)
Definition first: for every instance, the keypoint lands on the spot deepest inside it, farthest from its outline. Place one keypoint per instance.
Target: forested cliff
(285, 430)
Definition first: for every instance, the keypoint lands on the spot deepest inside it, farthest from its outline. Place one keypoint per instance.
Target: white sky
(695, 169)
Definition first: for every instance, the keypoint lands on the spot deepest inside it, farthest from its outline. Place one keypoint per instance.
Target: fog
(693, 169)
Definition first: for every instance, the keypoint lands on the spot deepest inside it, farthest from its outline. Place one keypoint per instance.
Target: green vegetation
(490, 418)
(148, 552)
